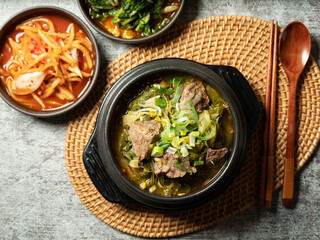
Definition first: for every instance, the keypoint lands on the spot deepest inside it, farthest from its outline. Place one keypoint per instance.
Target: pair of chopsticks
(267, 163)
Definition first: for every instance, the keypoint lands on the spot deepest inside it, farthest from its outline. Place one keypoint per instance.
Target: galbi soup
(175, 136)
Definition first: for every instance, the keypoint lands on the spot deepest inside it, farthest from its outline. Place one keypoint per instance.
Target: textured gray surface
(37, 200)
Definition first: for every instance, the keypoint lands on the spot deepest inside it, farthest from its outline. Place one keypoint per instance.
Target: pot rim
(135, 75)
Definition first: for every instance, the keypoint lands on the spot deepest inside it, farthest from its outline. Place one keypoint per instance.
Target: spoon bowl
(294, 48)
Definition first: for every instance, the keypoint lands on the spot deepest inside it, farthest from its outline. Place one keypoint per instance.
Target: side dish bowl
(38, 11)
(99, 28)
(115, 103)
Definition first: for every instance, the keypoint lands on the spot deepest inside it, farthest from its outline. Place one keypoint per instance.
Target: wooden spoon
(294, 48)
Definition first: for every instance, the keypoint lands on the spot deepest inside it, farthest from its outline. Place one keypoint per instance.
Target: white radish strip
(38, 100)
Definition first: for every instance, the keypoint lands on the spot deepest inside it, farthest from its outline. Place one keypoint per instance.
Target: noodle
(36, 48)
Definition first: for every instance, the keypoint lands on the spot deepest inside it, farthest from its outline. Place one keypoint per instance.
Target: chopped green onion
(195, 133)
(176, 81)
(182, 133)
(168, 134)
(184, 152)
(172, 150)
(178, 143)
(198, 163)
(165, 146)
(181, 118)
(180, 166)
(194, 112)
(160, 102)
(192, 140)
(182, 122)
(177, 96)
(157, 152)
(188, 146)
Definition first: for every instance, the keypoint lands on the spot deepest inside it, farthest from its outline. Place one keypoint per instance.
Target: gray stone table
(37, 200)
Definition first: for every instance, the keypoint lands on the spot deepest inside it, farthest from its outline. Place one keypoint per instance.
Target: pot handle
(99, 175)
(243, 91)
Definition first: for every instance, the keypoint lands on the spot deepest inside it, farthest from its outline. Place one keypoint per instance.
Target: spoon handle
(288, 179)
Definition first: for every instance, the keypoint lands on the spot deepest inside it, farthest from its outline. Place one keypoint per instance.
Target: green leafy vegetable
(194, 112)
(156, 13)
(141, 15)
(102, 4)
(161, 24)
(162, 90)
(160, 102)
(214, 96)
(177, 96)
(101, 9)
(176, 81)
(209, 131)
(165, 146)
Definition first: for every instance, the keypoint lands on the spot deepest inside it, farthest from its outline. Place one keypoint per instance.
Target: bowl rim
(13, 21)
(86, 15)
(104, 118)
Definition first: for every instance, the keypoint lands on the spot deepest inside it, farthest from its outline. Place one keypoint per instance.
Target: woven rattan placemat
(241, 42)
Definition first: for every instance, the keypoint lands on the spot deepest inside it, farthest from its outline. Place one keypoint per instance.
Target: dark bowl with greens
(131, 21)
(171, 134)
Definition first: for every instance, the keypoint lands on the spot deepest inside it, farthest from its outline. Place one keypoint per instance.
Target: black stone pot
(99, 155)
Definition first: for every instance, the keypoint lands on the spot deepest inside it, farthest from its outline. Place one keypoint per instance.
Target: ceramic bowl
(85, 11)
(26, 14)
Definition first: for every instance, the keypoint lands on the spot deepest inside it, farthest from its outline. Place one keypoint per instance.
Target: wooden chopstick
(272, 121)
(263, 172)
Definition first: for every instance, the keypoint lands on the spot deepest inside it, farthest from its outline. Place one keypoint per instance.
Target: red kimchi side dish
(46, 63)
